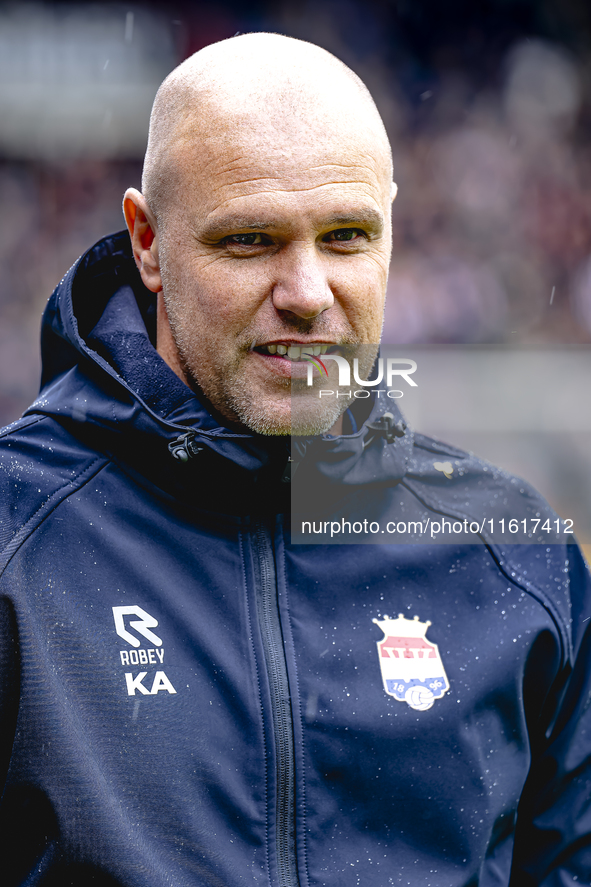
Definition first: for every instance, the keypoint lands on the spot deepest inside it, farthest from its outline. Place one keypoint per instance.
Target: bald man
(264, 223)
(188, 698)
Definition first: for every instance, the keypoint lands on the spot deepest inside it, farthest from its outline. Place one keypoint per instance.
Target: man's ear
(143, 230)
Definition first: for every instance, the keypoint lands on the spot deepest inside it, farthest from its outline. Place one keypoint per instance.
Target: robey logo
(139, 655)
(141, 625)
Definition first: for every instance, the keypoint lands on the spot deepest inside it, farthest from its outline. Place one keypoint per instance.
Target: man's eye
(245, 239)
(342, 235)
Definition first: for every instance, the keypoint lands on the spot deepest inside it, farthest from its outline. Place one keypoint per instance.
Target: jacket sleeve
(553, 834)
(9, 685)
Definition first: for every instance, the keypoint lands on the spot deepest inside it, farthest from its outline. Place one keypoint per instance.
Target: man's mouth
(294, 352)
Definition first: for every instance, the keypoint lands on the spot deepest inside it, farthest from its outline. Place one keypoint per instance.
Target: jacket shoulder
(40, 464)
(458, 482)
(529, 542)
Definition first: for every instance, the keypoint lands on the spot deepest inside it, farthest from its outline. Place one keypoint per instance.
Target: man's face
(271, 247)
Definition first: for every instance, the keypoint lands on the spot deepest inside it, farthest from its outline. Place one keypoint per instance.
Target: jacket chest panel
(137, 653)
(386, 761)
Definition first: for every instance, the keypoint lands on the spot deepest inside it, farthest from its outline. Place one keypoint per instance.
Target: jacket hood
(103, 379)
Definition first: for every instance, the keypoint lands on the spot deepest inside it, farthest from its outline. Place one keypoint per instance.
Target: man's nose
(301, 285)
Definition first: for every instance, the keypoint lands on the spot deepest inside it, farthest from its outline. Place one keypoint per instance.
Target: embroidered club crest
(412, 670)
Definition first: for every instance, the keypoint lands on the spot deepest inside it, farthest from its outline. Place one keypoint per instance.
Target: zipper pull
(291, 466)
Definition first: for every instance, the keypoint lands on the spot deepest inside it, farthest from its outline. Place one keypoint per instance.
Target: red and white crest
(412, 670)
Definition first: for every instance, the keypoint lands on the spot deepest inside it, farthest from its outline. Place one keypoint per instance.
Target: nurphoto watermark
(440, 444)
(388, 370)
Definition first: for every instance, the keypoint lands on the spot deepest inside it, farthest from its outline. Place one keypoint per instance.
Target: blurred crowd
(493, 228)
(488, 111)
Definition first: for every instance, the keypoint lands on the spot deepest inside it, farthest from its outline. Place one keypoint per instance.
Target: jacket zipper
(272, 636)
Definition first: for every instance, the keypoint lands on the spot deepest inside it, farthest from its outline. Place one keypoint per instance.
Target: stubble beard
(298, 411)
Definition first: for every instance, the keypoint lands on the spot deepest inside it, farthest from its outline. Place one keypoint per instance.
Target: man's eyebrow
(370, 218)
(234, 223)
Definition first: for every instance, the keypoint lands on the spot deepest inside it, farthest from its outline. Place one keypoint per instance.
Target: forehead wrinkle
(296, 160)
(291, 188)
(266, 173)
(346, 213)
(272, 192)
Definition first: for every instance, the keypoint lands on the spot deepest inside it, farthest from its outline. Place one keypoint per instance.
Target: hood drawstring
(184, 447)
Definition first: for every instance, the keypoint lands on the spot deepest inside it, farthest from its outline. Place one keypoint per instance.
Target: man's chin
(300, 418)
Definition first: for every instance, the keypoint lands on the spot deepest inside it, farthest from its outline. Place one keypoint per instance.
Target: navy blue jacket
(189, 698)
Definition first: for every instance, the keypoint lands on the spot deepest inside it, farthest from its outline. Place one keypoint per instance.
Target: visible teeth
(296, 352)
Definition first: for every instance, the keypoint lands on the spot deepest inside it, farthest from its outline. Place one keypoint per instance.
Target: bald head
(263, 88)
(264, 225)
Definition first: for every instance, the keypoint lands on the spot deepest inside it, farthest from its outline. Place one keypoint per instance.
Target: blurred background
(488, 107)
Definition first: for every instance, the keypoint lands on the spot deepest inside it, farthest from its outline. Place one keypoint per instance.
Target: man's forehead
(283, 129)
(245, 195)
(276, 110)
(257, 169)
(250, 161)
